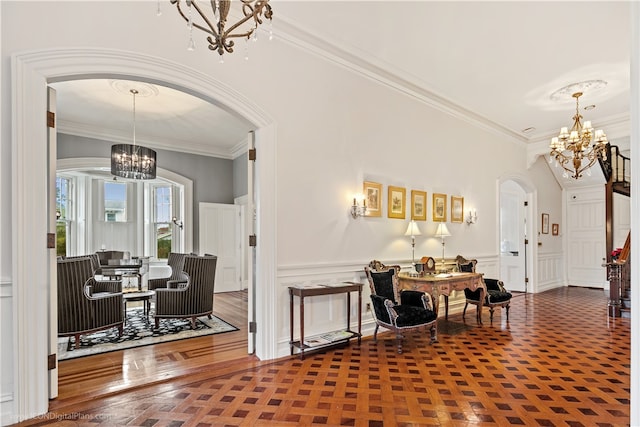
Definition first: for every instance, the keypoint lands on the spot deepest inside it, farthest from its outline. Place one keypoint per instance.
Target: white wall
(335, 129)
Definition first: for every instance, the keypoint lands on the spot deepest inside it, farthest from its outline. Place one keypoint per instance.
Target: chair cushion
(497, 296)
(409, 315)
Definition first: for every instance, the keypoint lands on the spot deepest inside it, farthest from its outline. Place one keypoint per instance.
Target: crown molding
(386, 74)
(88, 131)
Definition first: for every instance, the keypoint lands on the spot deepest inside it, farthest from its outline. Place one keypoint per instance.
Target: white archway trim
(532, 225)
(31, 72)
(84, 163)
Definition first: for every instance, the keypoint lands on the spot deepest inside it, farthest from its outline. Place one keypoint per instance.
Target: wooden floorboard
(558, 361)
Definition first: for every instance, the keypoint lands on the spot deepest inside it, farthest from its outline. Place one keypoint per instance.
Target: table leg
(291, 321)
(446, 307)
(480, 304)
(359, 315)
(301, 327)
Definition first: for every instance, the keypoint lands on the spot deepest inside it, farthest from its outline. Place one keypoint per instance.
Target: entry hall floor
(559, 361)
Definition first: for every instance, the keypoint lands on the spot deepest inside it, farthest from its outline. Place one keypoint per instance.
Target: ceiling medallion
(564, 93)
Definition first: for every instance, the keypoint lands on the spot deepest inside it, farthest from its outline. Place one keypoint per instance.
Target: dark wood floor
(558, 361)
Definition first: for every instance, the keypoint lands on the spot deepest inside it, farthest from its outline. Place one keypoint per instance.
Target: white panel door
(512, 236)
(586, 238)
(219, 235)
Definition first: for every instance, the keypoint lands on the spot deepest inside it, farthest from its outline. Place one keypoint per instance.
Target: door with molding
(220, 236)
(512, 236)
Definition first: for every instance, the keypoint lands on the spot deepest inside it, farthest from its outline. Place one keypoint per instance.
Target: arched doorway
(31, 191)
(516, 231)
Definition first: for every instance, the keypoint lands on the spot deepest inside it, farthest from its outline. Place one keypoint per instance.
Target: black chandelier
(131, 160)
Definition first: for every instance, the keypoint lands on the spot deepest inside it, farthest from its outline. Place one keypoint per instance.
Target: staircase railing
(617, 170)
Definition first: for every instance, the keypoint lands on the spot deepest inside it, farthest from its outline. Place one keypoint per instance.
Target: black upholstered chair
(398, 310)
(176, 262)
(497, 295)
(85, 305)
(192, 300)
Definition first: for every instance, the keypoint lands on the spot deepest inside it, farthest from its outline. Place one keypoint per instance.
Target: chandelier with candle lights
(213, 18)
(578, 149)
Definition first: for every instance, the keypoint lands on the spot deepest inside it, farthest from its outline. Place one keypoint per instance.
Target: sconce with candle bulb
(176, 222)
(359, 207)
(472, 217)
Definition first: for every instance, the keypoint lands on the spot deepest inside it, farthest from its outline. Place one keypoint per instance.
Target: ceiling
(497, 62)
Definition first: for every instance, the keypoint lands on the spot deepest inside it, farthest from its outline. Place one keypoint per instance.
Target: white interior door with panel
(586, 237)
(512, 236)
(220, 235)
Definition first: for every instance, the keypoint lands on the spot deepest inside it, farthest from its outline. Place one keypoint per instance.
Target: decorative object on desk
(442, 231)
(212, 17)
(139, 332)
(615, 254)
(418, 205)
(439, 207)
(578, 149)
(413, 231)
(359, 206)
(545, 223)
(472, 217)
(373, 198)
(457, 209)
(177, 223)
(397, 202)
(554, 229)
(131, 160)
(429, 264)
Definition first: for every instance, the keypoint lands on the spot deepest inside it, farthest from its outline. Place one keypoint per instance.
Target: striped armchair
(193, 300)
(82, 310)
(176, 262)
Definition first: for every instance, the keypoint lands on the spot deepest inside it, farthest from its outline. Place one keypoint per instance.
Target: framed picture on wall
(545, 223)
(439, 207)
(373, 195)
(554, 229)
(418, 205)
(396, 202)
(457, 209)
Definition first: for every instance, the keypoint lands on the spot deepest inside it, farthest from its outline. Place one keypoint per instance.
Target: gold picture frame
(457, 209)
(439, 207)
(396, 200)
(373, 196)
(418, 205)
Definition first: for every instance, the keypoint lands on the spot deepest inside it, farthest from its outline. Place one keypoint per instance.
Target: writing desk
(434, 285)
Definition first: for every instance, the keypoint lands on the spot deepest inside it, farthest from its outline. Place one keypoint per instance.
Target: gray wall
(215, 180)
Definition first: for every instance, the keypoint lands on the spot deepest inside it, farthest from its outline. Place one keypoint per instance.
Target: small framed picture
(545, 223)
(457, 209)
(396, 202)
(373, 195)
(418, 205)
(554, 229)
(439, 207)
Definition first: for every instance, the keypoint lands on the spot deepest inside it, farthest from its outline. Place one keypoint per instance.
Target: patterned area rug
(139, 331)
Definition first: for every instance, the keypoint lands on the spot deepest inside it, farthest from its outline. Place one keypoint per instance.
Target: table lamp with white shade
(442, 231)
(413, 231)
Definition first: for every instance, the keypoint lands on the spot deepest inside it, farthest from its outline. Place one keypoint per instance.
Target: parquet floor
(559, 361)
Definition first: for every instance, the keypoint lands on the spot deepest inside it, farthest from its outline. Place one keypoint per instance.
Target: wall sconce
(472, 217)
(359, 207)
(176, 222)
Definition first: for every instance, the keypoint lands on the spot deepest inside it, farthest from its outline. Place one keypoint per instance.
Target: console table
(334, 338)
(434, 285)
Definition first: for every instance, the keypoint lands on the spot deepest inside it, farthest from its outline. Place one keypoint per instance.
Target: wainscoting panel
(6, 354)
(550, 272)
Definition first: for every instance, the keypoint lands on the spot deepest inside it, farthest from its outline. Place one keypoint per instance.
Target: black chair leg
(507, 307)
(464, 311)
(375, 334)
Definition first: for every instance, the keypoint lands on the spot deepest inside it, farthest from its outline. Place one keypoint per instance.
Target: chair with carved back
(398, 310)
(497, 295)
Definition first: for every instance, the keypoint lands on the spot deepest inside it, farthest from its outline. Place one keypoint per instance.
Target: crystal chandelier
(577, 150)
(131, 160)
(214, 22)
